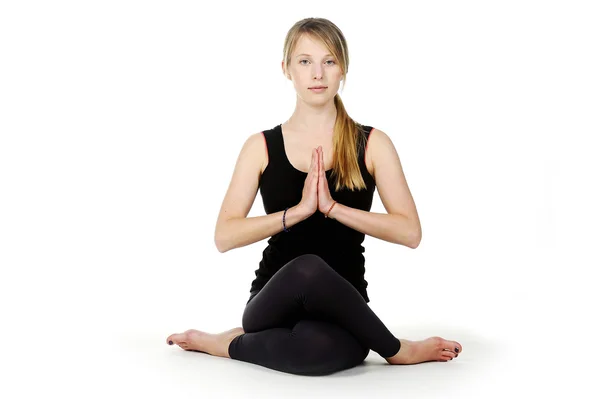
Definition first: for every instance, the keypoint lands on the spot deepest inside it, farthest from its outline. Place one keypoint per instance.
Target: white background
(121, 122)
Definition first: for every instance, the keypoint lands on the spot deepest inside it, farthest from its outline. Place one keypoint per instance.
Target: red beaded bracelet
(327, 214)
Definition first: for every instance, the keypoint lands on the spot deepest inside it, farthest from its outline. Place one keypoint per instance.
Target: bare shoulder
(258, 147)
(255, 148)
(376, 142)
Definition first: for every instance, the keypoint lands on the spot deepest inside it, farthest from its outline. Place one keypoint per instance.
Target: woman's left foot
(430, 349)
(213, 344)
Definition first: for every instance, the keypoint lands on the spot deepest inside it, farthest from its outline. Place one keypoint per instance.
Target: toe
(457, 347)
(174, 339)
(449, 349)
(448, 354)
(444, 344)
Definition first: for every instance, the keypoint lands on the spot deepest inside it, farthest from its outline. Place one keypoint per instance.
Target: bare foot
(199, 341)
(427, 350)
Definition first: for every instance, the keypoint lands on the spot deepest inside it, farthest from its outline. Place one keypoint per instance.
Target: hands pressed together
(315, 194)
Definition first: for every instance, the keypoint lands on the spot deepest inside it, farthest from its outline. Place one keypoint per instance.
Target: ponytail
(347, 139)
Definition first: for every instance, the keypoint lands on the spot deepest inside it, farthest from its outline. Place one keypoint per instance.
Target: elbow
(220, 234)
(224, 239)
(221, 244)
(415, 244)
(410, 233)
(415, 239)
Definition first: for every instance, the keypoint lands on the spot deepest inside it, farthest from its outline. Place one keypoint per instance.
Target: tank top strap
(275, 146)
(366, 132)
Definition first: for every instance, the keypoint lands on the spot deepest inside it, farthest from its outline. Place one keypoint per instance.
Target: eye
(332, 62)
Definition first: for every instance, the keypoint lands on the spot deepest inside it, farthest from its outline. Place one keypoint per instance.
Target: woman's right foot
(427, 350)
(200, 341)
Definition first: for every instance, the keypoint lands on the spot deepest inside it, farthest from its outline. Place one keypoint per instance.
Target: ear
(283, 69)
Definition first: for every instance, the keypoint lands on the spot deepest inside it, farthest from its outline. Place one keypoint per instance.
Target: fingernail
(456, 350)
(170, 342)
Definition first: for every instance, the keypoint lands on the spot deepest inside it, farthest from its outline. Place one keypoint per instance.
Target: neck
(313, 118)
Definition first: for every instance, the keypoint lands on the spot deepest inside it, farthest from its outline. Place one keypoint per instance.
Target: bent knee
(307, 265)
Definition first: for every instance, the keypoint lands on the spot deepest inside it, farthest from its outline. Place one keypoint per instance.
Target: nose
(318, 72)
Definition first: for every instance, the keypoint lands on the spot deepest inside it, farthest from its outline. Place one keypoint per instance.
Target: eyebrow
(326, 55)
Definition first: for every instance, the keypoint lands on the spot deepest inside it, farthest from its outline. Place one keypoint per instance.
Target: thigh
(310, 347)
(307, 287)
(280, 303)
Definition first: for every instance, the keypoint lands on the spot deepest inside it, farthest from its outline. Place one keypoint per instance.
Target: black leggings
(309, 320)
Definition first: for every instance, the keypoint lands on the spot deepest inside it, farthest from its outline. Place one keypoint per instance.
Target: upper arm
(243, 186)
(389, 178)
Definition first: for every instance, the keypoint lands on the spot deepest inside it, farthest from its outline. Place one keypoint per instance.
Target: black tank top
(340, 246)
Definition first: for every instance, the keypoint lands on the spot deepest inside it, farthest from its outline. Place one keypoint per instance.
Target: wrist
(330, 213)
(300, 212)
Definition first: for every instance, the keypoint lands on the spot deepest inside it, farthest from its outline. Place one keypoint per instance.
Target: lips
(318, 87)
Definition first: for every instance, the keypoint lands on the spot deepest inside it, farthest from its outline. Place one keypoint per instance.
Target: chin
(318, 101)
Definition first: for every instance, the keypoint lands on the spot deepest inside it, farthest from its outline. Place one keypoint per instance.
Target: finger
(321, 161)
(320, 165)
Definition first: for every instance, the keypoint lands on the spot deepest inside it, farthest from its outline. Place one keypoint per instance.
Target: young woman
(307, 312)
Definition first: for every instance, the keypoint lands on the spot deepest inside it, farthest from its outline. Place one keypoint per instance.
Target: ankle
(224, 342)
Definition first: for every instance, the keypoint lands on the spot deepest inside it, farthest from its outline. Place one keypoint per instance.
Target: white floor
(129, 362)
(190, 374)
(526, 330)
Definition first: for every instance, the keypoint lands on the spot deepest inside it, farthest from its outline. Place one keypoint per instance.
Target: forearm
(397, 229)
(239, 232)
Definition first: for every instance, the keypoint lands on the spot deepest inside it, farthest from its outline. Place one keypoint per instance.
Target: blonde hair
(346, 132)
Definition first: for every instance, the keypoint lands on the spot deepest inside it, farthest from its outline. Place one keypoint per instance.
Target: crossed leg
(309, 320)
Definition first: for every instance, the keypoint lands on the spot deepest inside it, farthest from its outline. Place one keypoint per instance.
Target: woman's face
(312, 65)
